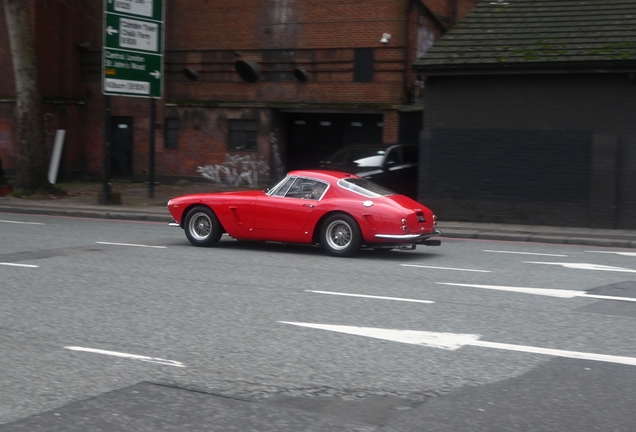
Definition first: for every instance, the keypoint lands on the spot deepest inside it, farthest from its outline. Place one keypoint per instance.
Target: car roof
(385, 147)
(375, 146)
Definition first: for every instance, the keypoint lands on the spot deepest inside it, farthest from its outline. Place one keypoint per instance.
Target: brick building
(252, 87)
(545, 131)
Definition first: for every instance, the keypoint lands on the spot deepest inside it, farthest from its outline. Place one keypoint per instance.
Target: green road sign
(133, 48)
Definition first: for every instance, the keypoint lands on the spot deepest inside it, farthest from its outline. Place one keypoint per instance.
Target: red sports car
(339, 211)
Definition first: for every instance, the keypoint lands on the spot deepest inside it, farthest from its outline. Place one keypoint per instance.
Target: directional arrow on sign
(454, 341)
(111, 31)
(156, 74)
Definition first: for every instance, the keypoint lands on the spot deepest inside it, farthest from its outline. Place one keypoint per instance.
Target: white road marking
(129, 244)
(542, 291)
(128, 356)
(524, 253)
(445, 268)
(454, 341)
(536, 291)
(19, 265)
(616, 253)
(371, 297)
(23, 223)
(586, 266)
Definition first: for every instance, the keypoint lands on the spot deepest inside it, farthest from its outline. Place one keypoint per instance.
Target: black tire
(202, 227)
(340, 235)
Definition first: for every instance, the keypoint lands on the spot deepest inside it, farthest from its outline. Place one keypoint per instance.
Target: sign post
(132, 63)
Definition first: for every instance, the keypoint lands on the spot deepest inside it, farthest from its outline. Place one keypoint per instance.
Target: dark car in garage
(392, 166)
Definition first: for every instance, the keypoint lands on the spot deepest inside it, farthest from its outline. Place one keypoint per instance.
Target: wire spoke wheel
(340, 235)
(202, 227)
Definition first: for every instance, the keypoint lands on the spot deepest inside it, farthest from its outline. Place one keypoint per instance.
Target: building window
(363, 65)
(171, 133)
(243, 134)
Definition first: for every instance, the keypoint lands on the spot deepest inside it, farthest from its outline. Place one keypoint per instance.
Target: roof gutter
(601, 66)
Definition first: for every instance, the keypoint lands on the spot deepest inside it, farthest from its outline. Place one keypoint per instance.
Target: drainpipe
(408, 54)
(453, 12)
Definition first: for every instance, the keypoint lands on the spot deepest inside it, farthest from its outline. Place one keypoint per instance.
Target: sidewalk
(83, 201)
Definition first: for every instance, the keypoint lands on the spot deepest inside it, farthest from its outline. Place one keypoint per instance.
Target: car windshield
(364, 187)
(281, 187)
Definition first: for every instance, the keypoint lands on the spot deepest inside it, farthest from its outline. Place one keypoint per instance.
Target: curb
(539, 238)
(114, 215)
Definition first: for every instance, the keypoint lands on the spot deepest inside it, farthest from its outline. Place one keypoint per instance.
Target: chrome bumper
(174, 224)
(415, 238)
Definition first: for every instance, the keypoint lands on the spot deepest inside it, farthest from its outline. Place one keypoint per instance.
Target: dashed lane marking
(586, 266)
(19, 265)
(633, 254)
(130, 244)
(454, 341)
(445, 268)
(128, 356)
(20, 222)
(371, 296)
(524, 253)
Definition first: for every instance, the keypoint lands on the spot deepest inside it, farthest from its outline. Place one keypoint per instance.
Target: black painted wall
(556, 149)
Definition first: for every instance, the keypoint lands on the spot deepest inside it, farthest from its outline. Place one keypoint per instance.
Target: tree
(32, 157)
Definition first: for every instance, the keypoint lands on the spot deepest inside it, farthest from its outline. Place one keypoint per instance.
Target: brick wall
(209, 36)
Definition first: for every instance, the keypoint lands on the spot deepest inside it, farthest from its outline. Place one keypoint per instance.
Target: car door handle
(308, 205)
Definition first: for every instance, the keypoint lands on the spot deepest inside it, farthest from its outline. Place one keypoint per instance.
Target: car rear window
(364, 187)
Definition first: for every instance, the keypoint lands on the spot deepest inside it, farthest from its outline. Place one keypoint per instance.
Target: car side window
(410, 155)
(306, 189)
(394, 157)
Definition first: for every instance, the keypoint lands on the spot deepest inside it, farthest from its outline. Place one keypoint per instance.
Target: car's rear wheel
(340, 235)
(202, 227)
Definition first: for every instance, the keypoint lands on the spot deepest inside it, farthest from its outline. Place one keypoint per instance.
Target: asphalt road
(112, 325)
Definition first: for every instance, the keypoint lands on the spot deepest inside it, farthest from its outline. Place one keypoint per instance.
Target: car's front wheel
(340, 235)
(202, 227)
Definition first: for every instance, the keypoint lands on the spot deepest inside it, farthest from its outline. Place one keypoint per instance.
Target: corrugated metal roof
(528, 33)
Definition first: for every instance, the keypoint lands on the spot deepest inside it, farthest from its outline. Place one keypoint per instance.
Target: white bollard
(57, 154)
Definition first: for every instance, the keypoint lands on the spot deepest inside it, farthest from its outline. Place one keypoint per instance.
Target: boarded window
(171, 133)
(363, 65)
(243, 134)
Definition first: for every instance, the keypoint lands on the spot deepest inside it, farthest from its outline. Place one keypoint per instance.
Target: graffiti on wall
(236, 170)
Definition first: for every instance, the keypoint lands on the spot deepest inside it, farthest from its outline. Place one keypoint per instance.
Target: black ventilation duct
(301, 74)
(248, 70)
(191, 74)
